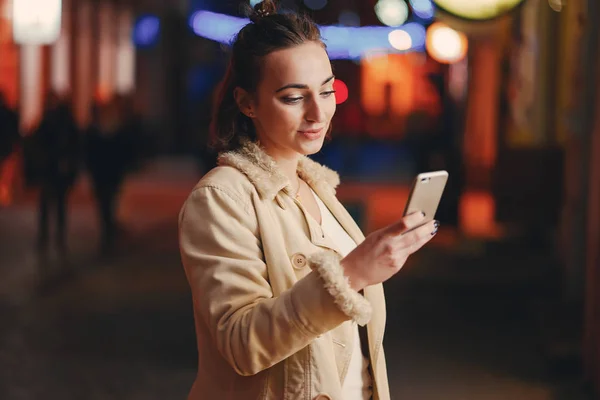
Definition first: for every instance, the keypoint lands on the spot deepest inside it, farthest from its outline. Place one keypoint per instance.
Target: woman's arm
(222, 257)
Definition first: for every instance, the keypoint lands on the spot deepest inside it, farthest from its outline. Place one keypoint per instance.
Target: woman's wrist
(355, 282)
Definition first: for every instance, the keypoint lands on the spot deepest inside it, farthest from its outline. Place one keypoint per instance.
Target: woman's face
(294, 101)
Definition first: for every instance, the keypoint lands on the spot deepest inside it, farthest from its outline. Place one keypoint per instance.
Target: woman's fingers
(415, 239)
(416, 246)
(406, 224)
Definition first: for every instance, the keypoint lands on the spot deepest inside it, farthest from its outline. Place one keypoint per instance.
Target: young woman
(287, 292)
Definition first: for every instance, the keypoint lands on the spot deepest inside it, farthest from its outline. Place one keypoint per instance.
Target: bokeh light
(400, 40)
(341, 91)
(35, 21)
(445, 44)
(556, 5)
(478, 9)
(349, 43)
(422, 8)
(218, 27)
(391, 12)
(146, 30)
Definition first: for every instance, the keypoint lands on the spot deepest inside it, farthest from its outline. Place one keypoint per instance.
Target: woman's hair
(267, 32)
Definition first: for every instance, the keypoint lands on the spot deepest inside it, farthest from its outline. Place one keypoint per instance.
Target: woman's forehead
(306, 64)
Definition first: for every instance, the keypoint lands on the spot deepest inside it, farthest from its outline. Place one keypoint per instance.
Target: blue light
(417, 34)
(423, 8)
(342, 42)
(218, 27)
(146, 31)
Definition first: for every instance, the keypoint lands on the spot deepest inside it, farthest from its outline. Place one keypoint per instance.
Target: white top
(357, 383)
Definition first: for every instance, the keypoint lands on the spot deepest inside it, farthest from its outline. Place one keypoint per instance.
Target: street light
(391, 12)
(444, 44)
(36, 22)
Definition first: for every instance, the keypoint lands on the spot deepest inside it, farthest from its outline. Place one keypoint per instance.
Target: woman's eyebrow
(301, 86)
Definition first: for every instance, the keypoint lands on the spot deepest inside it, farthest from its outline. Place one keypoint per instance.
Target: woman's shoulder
(224, 192)
(227, 180)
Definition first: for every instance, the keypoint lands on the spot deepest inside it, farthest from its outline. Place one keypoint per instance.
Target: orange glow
(477, 214)
(378, 73)
(481, 130)
(8, 175)
(384, 204)
(9, 57)
(393, 87)
(445, 44)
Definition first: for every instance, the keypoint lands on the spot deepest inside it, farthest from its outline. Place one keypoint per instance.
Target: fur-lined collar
(252, 160)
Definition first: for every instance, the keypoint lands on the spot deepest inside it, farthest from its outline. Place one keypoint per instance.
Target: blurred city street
(111, 111)
(461, 324)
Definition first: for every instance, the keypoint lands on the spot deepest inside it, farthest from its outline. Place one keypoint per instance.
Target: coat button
(299, 261)
(323, 396)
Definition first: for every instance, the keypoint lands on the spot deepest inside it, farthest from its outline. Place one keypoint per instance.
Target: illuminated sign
(36, 21)
(477, 9)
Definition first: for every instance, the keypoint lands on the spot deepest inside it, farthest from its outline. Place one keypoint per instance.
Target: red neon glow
(341, 91)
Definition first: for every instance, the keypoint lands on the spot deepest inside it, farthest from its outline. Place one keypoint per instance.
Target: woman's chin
(308, 148)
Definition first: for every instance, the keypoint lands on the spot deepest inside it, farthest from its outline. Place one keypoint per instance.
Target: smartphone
(426, 193)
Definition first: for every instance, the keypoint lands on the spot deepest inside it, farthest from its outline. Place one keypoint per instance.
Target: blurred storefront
(532, 136)
(91, 60)
(591, 348)
(9, 90)
(581, 217)
(9, 64)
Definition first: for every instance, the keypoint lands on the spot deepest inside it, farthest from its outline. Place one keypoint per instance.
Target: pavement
(463, 315)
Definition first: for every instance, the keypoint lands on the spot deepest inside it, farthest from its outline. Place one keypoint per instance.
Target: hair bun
(262, 10)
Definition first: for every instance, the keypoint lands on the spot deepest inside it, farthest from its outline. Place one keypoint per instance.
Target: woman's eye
(328, 93)
(292, 100)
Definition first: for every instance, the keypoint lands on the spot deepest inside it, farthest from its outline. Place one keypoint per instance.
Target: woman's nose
(315, 112)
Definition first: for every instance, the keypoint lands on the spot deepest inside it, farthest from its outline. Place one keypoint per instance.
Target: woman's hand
(384, 252)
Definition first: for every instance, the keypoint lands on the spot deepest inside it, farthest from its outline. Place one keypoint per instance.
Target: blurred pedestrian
(109, 153)
(9, 143)
(9, 129)
(56, 153)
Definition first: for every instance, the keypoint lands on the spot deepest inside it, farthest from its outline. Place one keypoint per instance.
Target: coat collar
(260, 168)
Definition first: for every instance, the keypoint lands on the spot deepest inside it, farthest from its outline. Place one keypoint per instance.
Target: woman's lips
(311, 133)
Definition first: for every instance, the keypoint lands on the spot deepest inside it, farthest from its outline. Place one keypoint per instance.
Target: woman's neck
(289, 167)
(287, 163)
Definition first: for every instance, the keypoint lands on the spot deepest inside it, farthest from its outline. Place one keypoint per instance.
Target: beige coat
(272, 308)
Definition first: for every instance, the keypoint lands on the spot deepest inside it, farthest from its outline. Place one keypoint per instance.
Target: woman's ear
(244, 101)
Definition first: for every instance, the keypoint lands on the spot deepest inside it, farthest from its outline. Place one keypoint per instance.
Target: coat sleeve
(222, 257)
